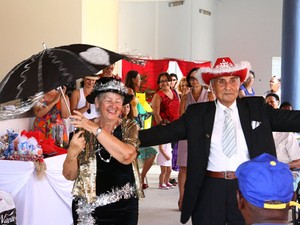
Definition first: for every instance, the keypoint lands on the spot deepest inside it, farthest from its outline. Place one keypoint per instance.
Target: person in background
(275, 86)
(100, 158)
(173, 85)
(296, 171)
(165, 102)
(133, 82)
(286, 143)
(173, 82)
(108, 72)
(246, 88)
(183, 87)
(273, 100)
(127, 112)
(265, 191)
(78, 98)
(164, 160)
(49, 115)
(286, 106)
(78, 101)
(165, 105)
(209, 195)
(196, 94)
(147, 155)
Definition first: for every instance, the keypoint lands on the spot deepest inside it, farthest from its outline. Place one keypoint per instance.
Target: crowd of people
(191, 121)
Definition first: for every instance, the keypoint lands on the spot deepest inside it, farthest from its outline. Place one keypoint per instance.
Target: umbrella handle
(63, 95)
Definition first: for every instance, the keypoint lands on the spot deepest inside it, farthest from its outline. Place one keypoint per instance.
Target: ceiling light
(176, 3)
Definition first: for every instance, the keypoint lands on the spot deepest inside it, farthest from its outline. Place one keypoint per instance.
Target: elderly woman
(100, 158)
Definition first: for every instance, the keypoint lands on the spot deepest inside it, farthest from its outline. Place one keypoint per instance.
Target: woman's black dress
(111, 176)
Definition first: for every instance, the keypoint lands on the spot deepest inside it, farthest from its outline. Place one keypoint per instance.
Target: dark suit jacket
(196, 126)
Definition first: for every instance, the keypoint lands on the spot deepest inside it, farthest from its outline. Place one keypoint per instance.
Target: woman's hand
(60, 91)
(167, 157)
(64, 88)
(77, 144)
(164, 122)
(162, 151)
(79, 121)
(57, 96)
(70, 167)
(185, 91)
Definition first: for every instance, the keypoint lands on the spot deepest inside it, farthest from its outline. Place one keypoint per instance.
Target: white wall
(203, 33)
(250, 30)
(240, 29)
(154, 29)
(174, 30)
(26, 24)
(137, 28)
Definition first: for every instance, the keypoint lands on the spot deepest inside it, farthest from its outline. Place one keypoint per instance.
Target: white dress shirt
(287, 147)
(218, 161)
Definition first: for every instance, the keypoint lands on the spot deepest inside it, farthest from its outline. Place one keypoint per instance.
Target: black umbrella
(54, 67)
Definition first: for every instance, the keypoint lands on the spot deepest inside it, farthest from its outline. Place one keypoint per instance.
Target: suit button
(207, 135)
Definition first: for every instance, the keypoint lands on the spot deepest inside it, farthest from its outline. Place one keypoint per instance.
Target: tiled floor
(159, 207)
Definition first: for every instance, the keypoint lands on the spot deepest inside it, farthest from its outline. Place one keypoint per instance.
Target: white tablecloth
(47, 201)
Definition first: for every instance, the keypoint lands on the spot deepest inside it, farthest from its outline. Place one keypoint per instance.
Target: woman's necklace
(99, 153)
(100, 148)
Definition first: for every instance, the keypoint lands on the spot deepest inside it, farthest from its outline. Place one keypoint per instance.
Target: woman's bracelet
(98, 131)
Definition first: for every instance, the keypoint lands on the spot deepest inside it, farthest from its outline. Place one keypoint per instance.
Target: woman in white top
(78, 101)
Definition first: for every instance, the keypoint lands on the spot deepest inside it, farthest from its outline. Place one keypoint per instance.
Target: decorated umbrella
(52, 68)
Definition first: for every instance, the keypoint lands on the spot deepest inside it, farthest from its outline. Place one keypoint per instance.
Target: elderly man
(275, 86)
(265, 190)
(221, 135)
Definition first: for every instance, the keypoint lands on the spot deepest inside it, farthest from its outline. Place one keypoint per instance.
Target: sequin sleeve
(85, 185)
(130, 131)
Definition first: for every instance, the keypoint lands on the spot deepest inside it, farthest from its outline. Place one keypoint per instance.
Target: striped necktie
(228, 140)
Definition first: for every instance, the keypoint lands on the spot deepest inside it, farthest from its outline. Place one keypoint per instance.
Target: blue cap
(265, 179)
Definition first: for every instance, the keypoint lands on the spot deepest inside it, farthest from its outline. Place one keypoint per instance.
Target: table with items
(39, 190)
(45, 200)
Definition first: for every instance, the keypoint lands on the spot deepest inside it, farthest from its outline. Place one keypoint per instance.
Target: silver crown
(112, 85)
(224, 64)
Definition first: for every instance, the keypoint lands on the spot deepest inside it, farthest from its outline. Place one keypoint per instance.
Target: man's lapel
(208, 126)
(244, 114)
